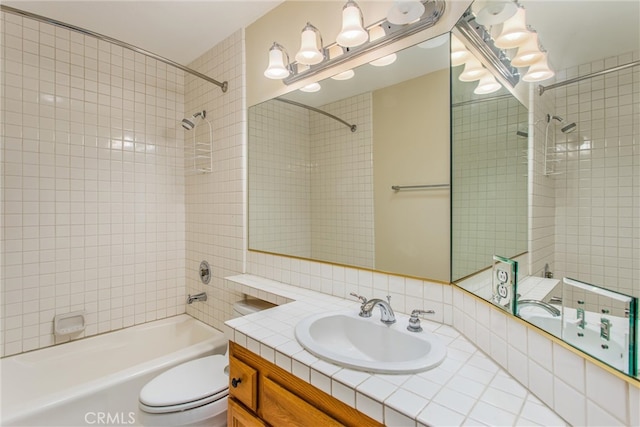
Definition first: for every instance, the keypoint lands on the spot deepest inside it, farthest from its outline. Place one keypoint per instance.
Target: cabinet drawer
(237, 416)
(243, 383)
(281, 408)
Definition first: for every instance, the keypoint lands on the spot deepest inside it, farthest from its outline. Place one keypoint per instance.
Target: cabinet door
(281, 408)
(237, 416)
(243, 383)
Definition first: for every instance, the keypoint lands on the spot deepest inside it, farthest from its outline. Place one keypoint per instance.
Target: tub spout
(202, 296)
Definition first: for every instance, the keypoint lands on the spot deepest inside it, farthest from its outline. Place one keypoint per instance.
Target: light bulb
(384, 61)
(276, 68)
(309, 54)
(514, 31)
(495, 12)
(405, 11)
(352, 34)
(539, 71)
(346, 75)
(528, 53)
(487, 84)
(313, 87)
(473, 70)
(459, 53)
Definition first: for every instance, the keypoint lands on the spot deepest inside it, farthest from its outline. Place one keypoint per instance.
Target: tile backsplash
(93, 184)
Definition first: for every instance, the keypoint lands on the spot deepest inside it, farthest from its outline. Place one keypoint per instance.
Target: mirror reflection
(317, 190)
(582, 162)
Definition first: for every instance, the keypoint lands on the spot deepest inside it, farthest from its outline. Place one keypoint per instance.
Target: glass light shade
(434, 42)
(459, 53)
(276, 68)
(528, 53)
(309, 54)
(514, 31)
(352, 34)
(494, 12)
(385, 60)
(539, 71)
(346, 75)
(473, 70)
(487, 84)
(313, 87)
(405, 11)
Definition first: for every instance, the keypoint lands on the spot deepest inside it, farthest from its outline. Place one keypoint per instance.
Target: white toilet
(194, 392)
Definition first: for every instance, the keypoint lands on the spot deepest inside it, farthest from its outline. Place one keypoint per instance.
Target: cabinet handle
(235, 382)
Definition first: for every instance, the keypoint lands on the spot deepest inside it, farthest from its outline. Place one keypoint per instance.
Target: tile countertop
(468, 388)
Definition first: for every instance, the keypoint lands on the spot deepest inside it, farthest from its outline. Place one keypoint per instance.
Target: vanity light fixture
(487, 84)
(352, 33)
(514, 31)
(346, 75)
(313, 87)
(309, 53)
(405, 11)
(376, 33)
(528, 53)
(473, 70)
(539, 70)
(459, 53)
(277, 68)
(352, 42)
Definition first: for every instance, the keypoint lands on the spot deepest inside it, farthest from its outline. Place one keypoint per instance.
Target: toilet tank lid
(251, 305)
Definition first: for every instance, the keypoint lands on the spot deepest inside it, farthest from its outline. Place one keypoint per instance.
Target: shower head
(190, 123)
(568, 128)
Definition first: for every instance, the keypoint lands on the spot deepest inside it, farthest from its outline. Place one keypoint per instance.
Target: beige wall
(284, 25)
(411, 147)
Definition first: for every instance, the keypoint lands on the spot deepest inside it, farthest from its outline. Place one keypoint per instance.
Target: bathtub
(96, 380)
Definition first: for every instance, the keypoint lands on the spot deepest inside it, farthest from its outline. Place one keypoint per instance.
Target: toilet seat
(186, 386)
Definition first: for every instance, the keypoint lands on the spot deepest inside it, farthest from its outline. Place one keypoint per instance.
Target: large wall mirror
(576, 158)
(319, 190)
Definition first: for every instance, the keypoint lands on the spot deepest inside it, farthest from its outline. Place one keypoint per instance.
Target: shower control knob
(235, 382)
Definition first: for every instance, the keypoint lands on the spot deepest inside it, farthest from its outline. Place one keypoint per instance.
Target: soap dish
(69, 323)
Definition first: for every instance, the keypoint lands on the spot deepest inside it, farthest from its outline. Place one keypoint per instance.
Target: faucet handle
(414, 320)
(360, 297)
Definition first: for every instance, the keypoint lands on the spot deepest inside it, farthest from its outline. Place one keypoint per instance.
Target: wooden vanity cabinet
(263, 394)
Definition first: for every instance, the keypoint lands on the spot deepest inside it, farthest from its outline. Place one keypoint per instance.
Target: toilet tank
(250, 306)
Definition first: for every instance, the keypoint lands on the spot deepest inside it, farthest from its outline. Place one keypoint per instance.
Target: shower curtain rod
(475, 101)
(222, 85)
(542, 89)
(349, 125)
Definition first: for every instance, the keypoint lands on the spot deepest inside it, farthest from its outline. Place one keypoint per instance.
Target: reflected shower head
(569, 128)
(190, 123)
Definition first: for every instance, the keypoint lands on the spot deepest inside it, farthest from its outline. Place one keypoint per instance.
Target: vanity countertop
(468, 388)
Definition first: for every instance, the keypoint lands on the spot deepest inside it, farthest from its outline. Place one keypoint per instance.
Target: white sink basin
(366, 344)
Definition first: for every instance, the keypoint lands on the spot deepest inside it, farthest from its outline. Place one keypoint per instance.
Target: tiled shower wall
(93, 184)
(597, 190)
(490, 201)
(215, 219)
(280, 179)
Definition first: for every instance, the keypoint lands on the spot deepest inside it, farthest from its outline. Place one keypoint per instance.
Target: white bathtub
(96, 380)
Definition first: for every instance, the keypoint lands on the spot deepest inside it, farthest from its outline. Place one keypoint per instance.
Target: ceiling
(179, 30)
(572, 31)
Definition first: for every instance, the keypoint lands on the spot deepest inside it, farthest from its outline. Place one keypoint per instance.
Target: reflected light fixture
(459, 53)
(352, 33)
(376, 33)
(487, 84)
(434, 42)
(528, 53)
(405, 11)
(277, 68)
(514, 31)
(313, 87)
(495, 12)
(309, 53)
(473, 70)
(539, 70)
(346, 75)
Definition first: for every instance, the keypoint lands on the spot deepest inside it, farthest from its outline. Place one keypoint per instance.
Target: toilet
(194, 392)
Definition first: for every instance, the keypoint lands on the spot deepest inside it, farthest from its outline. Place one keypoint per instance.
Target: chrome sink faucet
(532, 302)
(387, 316)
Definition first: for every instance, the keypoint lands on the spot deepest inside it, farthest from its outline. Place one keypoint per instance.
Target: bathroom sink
(366, 344)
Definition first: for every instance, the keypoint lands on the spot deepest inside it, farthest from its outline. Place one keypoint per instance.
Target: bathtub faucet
(202, 296)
